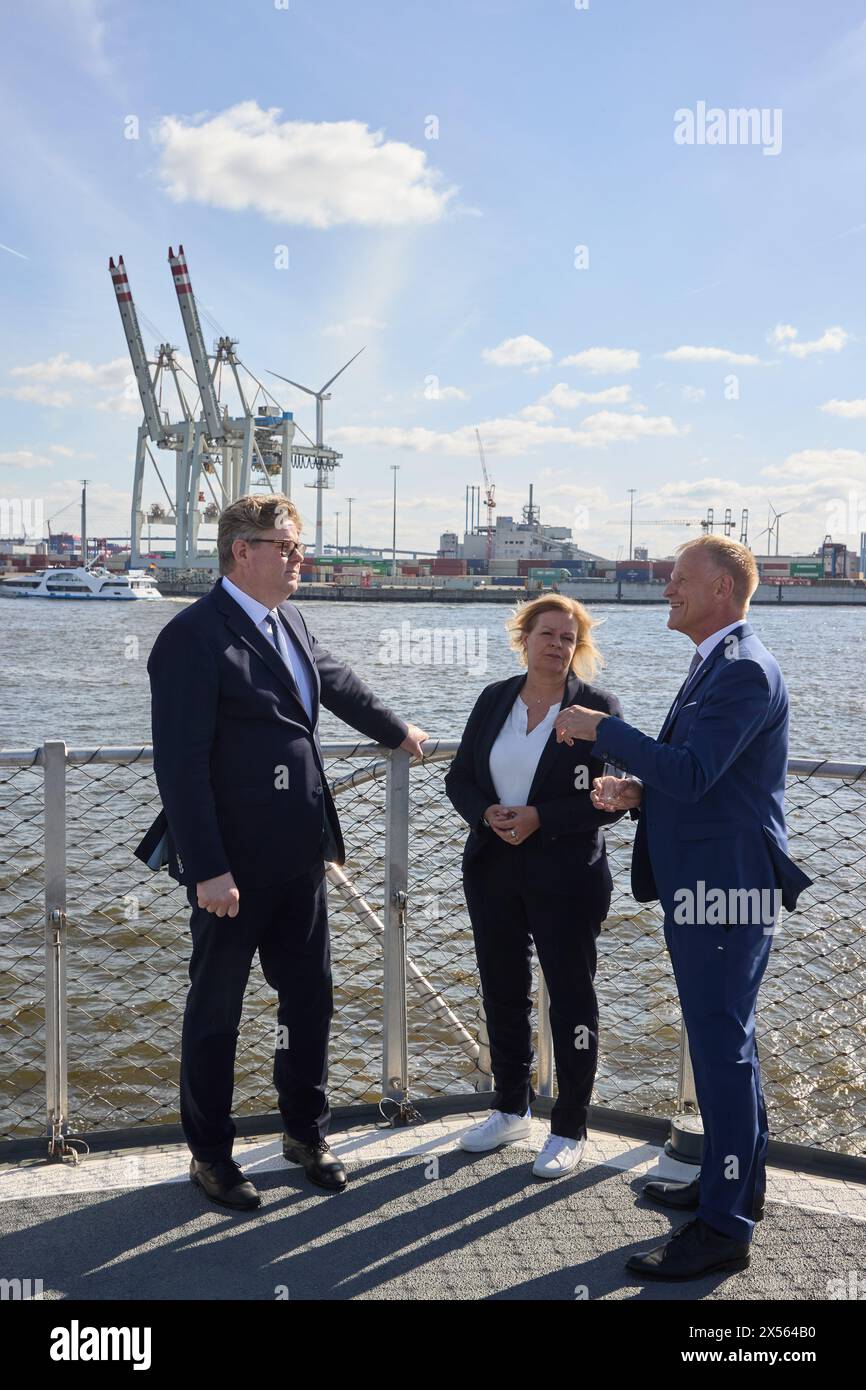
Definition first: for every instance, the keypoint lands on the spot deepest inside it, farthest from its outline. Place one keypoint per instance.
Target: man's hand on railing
(413, 740)
(616, 793)
(219, 895)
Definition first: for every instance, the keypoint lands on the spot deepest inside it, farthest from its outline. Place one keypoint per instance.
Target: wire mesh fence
(127, 948)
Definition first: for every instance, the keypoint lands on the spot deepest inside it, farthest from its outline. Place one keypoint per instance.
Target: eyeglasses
(287, 549)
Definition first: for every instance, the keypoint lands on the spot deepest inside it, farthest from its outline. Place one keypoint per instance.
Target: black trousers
(288, 926)
(506, 918)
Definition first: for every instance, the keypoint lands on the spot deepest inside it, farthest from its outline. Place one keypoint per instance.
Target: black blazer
(237, 761)
(567, 852)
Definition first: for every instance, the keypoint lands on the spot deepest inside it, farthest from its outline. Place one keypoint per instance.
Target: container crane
(195, 339)
(489, 496)
(157, 426)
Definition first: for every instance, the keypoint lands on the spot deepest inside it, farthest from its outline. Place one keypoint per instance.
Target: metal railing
(94, 951)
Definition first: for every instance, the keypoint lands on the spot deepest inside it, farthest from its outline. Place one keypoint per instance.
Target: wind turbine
(776, 518)
(322, 395)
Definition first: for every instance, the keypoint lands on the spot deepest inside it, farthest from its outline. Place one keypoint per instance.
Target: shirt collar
(711, 642)
(251, 606)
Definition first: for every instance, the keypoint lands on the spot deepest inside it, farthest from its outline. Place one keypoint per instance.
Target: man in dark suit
(236, 682)
(711, 845)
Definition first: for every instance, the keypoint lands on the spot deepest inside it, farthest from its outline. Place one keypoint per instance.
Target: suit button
(317, 791)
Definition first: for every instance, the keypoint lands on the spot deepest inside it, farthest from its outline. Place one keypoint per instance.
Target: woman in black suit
(535, 868)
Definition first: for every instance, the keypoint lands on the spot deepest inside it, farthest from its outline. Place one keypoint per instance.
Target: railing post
(686, 1142)
(545, 1038)
(395, 1057)
(54, 823)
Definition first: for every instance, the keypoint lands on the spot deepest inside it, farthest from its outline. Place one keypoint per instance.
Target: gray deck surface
(484, 1228)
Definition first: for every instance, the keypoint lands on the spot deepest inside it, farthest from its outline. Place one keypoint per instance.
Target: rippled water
(77, 671)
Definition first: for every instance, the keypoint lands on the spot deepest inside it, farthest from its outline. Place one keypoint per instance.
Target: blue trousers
(718, 973)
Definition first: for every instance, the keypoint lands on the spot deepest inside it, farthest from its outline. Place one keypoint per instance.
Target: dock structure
(97, 1202)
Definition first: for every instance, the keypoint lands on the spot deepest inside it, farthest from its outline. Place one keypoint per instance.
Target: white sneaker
(558, 1156)
(498, 1128)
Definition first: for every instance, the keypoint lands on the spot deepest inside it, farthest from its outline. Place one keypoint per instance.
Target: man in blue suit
(248, 823)
(711, 845)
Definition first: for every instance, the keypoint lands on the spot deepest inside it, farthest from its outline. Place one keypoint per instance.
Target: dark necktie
(697, 660)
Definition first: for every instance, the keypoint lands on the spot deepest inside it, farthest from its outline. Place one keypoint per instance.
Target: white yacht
(93, 581)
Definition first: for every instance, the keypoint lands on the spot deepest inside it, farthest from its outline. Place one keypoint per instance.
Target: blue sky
(709, 354)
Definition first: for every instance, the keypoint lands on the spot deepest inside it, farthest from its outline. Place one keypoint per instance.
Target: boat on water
(82, 582)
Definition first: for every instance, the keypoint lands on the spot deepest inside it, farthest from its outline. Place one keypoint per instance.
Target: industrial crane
(489, 496)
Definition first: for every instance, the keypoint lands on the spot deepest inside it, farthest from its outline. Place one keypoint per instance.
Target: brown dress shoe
(224, 1182)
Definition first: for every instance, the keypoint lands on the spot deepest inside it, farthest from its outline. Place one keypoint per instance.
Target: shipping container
(439, 566)
(807, 569)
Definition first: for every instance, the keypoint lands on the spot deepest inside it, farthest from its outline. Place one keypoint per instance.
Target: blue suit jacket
(714, 781)
(237, 761)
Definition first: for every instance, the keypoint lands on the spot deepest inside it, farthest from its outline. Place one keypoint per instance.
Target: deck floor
(420, 1219)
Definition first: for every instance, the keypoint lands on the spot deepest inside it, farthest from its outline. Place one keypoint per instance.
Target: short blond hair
(731, 557)
(586, 657)
(243, 518)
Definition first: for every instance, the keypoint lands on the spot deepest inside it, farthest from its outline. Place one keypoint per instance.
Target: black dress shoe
(321, 1166)
(686, 1196)
(692, 1251)
(224, 1182)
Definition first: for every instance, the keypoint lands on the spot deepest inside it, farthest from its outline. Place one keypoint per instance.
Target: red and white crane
(489, 495)
(157, 425)
(197, 350)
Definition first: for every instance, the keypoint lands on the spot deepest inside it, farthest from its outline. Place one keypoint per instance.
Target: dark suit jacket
(566, 853)
(714, 781)
(238, 763)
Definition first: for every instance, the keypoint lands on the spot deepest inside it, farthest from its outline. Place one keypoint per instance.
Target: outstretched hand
(616, 793)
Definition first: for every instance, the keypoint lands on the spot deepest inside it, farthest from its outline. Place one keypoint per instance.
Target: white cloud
(831, 340)
(62, 367)
(539, 413)
(849, 410)
(694, 393)
(342, 330)
(40, 395)
(567, 397)
(782, 333)
(687, 353)
(849, 464)
(304, 173)
(24, 459)
(599, 360)
(522, 351)
(452, 393)
(511, 435)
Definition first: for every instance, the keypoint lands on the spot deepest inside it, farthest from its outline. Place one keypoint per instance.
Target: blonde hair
(586, 657)
(243, 518)
(731, 557)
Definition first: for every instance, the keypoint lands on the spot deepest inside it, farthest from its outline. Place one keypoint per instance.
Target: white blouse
(515, 753)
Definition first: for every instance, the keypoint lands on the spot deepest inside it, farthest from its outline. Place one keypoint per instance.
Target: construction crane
(489, 495)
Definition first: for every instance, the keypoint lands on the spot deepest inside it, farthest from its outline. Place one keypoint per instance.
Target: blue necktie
(281, 648)
(697, 660)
